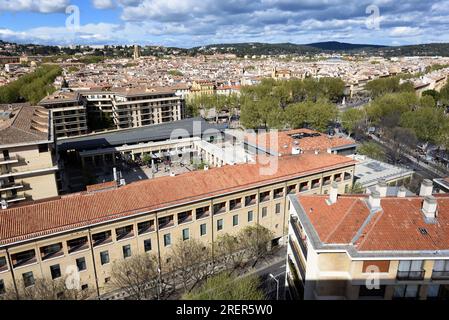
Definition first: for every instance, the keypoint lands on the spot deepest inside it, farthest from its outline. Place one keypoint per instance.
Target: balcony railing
(411, 275)
(440, 275)
(9, 160)
(166, 224)
(102, 240)
(299, 263)
(11, 186)
(299, 237)
(23, 262)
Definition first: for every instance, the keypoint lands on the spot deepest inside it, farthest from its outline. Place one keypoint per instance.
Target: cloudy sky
(187, 23)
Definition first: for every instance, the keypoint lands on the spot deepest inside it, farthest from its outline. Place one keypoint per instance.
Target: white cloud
(405, 32)
(103, 4)
(43, 6)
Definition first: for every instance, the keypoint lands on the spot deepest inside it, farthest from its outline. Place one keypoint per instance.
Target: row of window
(405, 292)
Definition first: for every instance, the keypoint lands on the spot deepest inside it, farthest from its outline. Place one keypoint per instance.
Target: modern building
(369, 247)
(157, 140)
(369, 172)
(92, 230)
(27, 160)
(68, 112)
(124, 107)
(140, 107)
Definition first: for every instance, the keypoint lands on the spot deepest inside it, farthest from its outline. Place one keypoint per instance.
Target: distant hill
(341, 46)
(256, 48)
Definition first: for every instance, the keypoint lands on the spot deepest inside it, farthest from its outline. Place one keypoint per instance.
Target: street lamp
(158, 283)
(277, 285)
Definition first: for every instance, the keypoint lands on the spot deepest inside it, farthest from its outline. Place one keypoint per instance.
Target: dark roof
(157, 132)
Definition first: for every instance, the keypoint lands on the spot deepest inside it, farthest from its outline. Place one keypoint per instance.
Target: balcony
(410, 275)
(166, 222)
(101, 238)
(52, 251)
(202, 213)
(279, 193)
(124, 233)
(11, 186)
(264, 197)
(23, 258)
(250, 201)
(299, 237)
(299, 264)
(315, 184)
(184, 217)
(219, 208)
(440, 275)
(145, 227)
(291, 190)
(9, 160)
(76, 245)
(235, 204)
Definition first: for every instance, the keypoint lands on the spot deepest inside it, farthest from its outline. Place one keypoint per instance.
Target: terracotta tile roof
(85, 209)
(396, 227)
(285, 141)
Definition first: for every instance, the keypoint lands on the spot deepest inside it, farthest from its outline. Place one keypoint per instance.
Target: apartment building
(369, 247)
(69, 113)
(27, 164)
(140, 107)
(109, 223)
(127, 108)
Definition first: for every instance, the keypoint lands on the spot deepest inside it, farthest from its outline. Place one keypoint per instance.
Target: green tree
(351, 119)
(427, 123)
(321, 114)
(228, 288)
(372, 150)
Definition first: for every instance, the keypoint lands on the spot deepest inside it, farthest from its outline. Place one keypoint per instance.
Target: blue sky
(187, 23)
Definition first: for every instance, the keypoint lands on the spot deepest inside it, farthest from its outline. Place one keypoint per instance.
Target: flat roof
(81, 210)
(369, 171)
(192, 127)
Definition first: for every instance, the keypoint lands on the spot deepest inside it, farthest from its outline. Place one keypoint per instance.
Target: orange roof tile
(394, 228)
(285, 142)
(74, 211)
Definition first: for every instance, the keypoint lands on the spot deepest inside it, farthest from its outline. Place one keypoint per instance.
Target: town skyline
(194, 23)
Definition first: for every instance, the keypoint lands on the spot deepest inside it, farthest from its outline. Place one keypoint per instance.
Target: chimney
(4, 204)
(402, 192)
(429, 207)
(333, 194)
(374, 200)
(426, 188)
(382, 188)
(317, 151)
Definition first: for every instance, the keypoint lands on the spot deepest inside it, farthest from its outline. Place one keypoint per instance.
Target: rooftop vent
(374, 200)
(333, 194)
(382, 188)
(429, 207)
(402, 192)
(426, 188)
